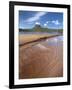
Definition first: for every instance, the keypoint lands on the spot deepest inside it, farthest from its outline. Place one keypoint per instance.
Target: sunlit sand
(31, 37)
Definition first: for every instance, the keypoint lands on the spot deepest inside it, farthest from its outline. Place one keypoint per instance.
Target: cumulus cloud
(56, 22)
(45, 24)
(37, 23)
(36, 17)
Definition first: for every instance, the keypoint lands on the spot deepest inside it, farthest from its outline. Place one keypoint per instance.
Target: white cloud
(37, 23)
(53, 21)
(56, 22)
(36, 17)
(45, 24)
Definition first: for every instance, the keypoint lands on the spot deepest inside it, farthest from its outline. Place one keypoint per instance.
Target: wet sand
(41, 59)
(24, 38)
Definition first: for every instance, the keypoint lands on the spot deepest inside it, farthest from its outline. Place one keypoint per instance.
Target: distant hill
(38, 28)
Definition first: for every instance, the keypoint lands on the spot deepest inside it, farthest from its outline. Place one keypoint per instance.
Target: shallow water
(43, 59)
(54, 41)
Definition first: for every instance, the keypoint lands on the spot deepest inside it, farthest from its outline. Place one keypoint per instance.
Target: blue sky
(52, 20)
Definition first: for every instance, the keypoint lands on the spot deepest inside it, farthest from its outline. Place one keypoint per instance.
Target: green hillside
(38, 28)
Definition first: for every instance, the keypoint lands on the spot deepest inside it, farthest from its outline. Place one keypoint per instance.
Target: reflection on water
(42, 59)
(41, 46)
(54, 40)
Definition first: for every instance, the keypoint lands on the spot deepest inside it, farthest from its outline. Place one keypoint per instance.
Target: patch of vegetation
(38, 28)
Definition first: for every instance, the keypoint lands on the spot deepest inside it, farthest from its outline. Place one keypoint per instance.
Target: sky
(51, 20)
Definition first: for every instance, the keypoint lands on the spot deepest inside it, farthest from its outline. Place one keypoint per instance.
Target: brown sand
(32, 37)
(37, 62)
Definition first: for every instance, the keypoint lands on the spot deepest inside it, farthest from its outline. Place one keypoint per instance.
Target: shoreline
(38, 39)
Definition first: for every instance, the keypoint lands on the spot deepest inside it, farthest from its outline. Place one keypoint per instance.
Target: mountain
(39, 28)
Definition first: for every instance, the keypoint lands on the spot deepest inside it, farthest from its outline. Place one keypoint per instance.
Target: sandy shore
(41, 60)
(31, 37)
